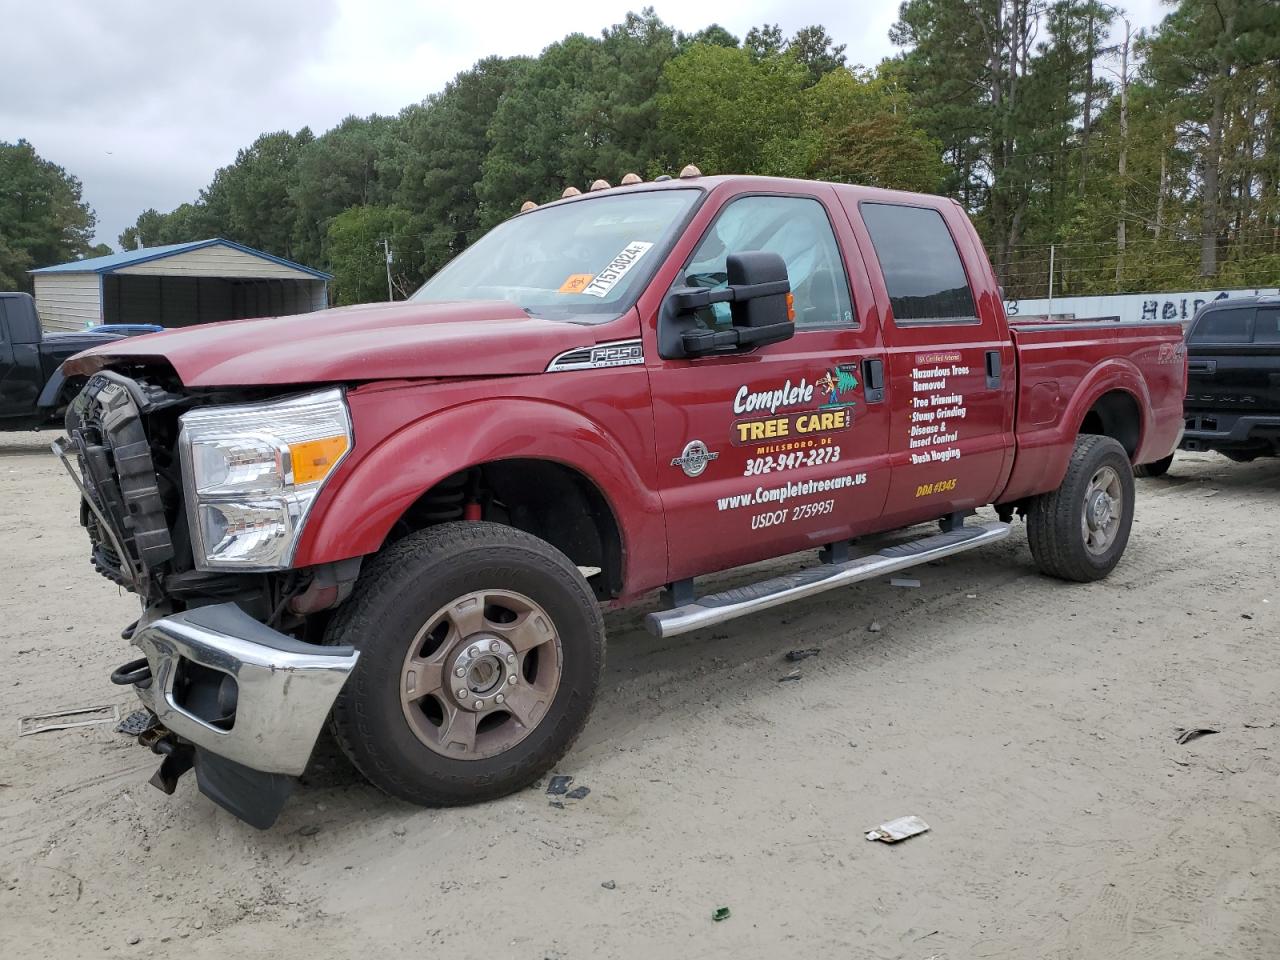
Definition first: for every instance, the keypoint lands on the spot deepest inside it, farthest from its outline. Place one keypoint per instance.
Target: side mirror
(759, 298)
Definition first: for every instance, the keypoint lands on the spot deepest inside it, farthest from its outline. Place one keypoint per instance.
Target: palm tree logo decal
(837, 382)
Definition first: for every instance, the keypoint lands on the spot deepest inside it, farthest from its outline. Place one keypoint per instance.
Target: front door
(767, 452)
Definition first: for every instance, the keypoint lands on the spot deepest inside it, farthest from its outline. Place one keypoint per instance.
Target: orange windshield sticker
(576, 282)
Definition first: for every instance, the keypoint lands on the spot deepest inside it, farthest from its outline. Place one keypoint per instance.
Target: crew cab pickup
(32, 390)
(1233, 388)
(403, 519)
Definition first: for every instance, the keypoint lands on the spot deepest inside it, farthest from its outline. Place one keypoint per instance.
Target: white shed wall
(215, 261)
(68, 301)
(1180, 306)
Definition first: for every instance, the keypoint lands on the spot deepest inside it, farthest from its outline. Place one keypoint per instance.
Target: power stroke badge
(694, 459)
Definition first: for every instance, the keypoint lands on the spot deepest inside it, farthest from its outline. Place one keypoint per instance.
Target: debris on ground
(609, 885)
(904, 582)
(310, 830)
(1259, 724)
(874, 627)
(578, 793)
(720, 913)
(899, 829)
(559, 785)
(66, 719)
(1186, 735)
(557, 804)
(793, 675)
(797, 655)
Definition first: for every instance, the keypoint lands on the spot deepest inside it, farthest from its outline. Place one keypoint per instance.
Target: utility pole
(386, 252)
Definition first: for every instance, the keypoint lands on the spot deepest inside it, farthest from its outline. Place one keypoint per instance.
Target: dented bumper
(250, 700)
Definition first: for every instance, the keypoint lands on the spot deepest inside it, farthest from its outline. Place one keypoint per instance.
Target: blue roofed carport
(177, 285)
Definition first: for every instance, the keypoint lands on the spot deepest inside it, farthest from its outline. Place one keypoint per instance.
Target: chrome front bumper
(284, 687)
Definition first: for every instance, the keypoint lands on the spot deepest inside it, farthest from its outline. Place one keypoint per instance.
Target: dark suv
(1233, 379)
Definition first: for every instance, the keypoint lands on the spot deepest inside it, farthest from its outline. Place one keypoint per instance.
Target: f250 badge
(694, 459)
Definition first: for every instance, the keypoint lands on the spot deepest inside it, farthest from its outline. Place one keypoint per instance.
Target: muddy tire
(1157, 468)
(1079, 531)
(481, 650)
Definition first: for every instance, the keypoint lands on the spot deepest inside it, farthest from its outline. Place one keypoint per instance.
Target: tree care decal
(788, 439)
(784, 432)
(936, 409)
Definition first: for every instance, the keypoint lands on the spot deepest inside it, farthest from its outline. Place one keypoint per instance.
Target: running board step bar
(740, 601)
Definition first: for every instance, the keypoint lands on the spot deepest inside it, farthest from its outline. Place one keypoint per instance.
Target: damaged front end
(230, 682)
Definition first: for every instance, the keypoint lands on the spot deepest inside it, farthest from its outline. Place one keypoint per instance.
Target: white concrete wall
(68, 301)
(215, 261)
(1179, 306)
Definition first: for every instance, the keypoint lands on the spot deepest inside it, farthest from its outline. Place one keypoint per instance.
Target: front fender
(357, 510)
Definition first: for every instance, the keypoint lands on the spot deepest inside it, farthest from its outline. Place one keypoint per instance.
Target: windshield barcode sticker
(608, 278)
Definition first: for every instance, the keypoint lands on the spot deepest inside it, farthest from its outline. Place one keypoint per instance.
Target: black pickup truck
(32, 389)
(1233, 379)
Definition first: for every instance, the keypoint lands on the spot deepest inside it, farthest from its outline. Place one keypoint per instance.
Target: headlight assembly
(251, 473)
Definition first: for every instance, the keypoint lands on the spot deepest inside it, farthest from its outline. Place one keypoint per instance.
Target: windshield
(586, 260)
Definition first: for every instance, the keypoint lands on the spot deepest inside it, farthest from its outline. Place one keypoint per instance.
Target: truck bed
(1062, 367)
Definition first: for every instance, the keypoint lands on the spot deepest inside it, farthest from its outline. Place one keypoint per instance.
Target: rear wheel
(1079, 531)
(1157, 468)
(481, 649)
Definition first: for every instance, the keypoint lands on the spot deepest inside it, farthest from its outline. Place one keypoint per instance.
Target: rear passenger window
(1223, 326)
(921, 265)
(1266, 327)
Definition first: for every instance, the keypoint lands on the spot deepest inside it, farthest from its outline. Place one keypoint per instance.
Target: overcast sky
(144, 100)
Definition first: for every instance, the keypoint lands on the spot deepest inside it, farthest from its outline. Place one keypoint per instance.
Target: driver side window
(798, 230)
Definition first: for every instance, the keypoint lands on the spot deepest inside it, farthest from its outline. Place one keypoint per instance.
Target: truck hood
(388, 341)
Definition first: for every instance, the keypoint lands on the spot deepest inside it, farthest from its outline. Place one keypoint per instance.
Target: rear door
(950, 363)
(766, 452)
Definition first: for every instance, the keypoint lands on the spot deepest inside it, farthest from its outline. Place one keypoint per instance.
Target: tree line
(1145, 164)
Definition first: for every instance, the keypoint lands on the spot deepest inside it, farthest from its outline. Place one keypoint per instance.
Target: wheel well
(549, 500)
(1115, 414)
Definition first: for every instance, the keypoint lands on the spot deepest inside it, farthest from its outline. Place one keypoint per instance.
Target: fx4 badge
(694, 459)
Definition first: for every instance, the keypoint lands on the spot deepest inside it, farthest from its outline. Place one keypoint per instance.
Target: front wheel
(481, 649)
(1079, 531)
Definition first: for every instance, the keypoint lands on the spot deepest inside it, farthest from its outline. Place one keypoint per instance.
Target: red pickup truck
(403, 519)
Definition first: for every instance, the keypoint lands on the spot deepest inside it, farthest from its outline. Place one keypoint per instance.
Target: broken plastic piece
(796, 655)
(1186, 736)
(793, 675)
(720, 913)
(577, 793)
(559, 785)
(899, 829)
(67, 719)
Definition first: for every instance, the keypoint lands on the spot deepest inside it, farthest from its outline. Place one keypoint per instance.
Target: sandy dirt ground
(1031, 723)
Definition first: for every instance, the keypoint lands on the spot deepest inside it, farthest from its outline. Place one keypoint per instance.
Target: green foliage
(714, 35)
(43, 220)
(585, 109)
(355, 252)
(733, 112)
(1013, 108)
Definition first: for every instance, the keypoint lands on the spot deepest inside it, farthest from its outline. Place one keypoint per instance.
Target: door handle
(873, 380)
(1206, 367)
(993, 369)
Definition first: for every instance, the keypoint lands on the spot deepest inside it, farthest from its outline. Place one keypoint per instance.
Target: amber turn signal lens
(791, 307)
(313, 459)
